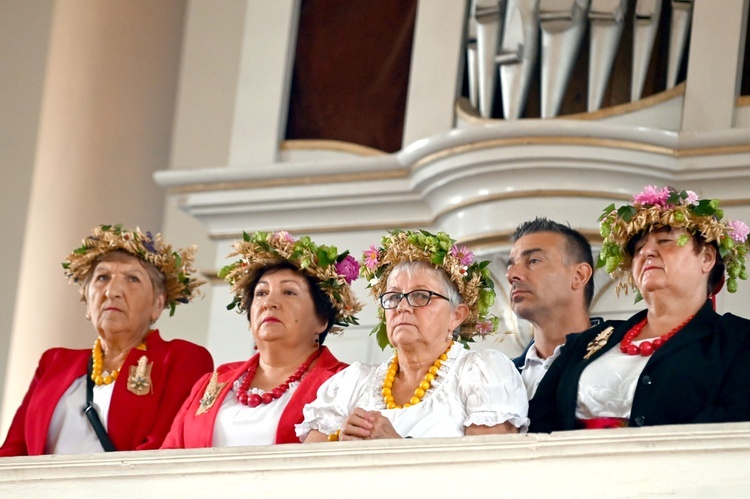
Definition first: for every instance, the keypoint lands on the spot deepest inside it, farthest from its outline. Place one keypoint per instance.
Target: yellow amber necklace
(424, 385)
(97, 366)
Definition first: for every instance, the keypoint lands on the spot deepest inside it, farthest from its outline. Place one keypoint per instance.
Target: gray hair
(448, 289)
(158, 279)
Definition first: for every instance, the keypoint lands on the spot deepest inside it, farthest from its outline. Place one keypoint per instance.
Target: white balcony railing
(683, 461)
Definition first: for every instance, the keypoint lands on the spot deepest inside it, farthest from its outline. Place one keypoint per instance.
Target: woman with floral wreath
(676, 362)
(132, 383)
(295, 292)
(434, 300)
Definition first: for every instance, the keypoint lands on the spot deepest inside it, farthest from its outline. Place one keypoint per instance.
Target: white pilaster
(714, 64)
(105, 124)
(24, 45)
(265, 73)
(435, 62)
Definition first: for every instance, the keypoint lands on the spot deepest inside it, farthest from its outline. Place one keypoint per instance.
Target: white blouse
(70, 431)
(240, 425)
(607, 386)
(472, 388)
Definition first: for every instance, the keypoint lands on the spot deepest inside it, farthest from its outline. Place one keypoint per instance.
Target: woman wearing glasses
(434, 300)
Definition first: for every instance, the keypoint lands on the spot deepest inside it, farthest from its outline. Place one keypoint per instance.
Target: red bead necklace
(254, 400)
(647, 347)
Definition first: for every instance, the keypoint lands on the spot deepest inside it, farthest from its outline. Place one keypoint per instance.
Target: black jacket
(701, 375)
(521, 359)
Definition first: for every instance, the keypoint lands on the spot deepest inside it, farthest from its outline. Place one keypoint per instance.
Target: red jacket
(135, 422)
(192, 431)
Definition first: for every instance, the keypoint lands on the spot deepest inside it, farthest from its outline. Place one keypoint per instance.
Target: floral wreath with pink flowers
(334, 271)
(667, 207)
(472, 279)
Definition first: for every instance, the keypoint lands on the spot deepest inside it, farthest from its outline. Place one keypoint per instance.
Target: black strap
(90, 411)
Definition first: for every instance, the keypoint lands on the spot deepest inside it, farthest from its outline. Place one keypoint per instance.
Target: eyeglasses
(416, 298)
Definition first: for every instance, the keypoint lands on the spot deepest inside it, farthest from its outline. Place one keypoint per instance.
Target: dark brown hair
(323, 308)
(577, 247)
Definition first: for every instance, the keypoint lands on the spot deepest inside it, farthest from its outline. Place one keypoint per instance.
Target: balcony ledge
(689, 461)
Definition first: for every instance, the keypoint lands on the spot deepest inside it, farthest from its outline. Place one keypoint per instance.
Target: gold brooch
(597, 343)
(139, 381)
(211, 394)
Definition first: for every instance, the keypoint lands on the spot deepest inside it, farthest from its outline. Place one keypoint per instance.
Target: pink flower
(738, 230)
(465, 257)
(371, 257)
(282, 236)
(484, 328)
(651, 195)
(348, 268)
(692, 198)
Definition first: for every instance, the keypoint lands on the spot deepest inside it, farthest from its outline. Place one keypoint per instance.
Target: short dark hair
(323, 308)
(715, 277)
(577, 247)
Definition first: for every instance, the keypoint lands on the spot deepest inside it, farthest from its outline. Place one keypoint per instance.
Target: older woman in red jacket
(294, 292)
(132, 382)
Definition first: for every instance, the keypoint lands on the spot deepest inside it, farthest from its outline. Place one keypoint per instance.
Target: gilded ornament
(598, 343)
(139, 381)
(211, 394)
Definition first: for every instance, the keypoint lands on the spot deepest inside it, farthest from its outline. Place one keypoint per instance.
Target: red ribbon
(599, 423)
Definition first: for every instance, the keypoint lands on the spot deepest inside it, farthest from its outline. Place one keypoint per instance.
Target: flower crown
(335, 272)
(175, 265)
(472, 280)
(664, 207)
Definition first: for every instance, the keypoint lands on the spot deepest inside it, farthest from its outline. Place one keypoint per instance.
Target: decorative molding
(530, 142)
(329, 145)
(457, 180)
(469, 115)
(533, 194)
(327, 229)
(492, 240)
(632, 107)
(339, 178)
